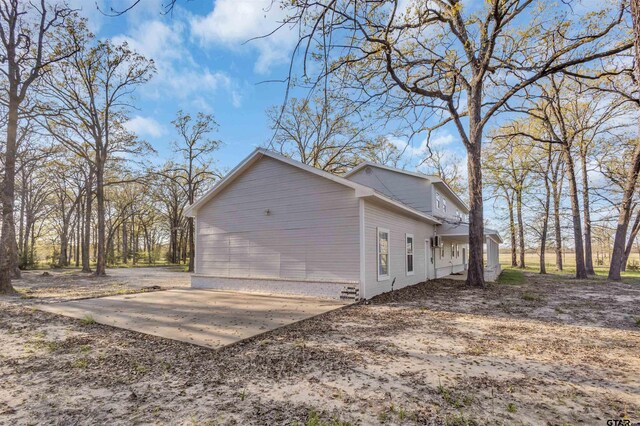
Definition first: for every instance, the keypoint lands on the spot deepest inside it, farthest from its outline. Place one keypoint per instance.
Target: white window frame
(457, 251)
(442, 250)
(437, 200)
(406, 254)
(444, 205)
(453, 252)
(380, 276)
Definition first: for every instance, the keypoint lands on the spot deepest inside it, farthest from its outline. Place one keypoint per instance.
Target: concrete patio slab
(210, 318)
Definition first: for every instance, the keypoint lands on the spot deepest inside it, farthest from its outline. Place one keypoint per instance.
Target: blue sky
(206, 63)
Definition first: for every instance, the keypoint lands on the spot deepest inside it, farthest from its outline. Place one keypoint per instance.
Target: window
(409, 252)
(444, 205)
(457, 250)
(441, 250)
(453, 250)
(437, 199)
(383, 254)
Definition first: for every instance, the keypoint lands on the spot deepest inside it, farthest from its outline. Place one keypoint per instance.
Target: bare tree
(383, 151)
(447, 166)
(543, 173)
(320, 132)
(617, 257)
(196, 148)
(92, 90)
(559, 115)
(28, 51)
(510, 159)
(442, 61)
(173, 200)
(67, 195)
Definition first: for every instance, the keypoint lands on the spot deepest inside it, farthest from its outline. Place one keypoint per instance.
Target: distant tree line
(75, 181)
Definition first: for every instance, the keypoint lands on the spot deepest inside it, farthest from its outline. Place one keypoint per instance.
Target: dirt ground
(550, 351)
(61, 285)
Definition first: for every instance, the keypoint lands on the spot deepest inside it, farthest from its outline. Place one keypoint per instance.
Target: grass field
(532, 263)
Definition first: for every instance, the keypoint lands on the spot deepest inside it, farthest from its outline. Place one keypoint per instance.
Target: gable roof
(361, 191)
(442, 185)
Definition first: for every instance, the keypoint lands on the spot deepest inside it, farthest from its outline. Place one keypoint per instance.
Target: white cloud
(178, 75)
(156, 40)
(144, 126)
(421, 150)
(233, 23)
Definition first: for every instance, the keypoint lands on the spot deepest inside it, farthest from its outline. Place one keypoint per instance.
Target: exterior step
(350, 293)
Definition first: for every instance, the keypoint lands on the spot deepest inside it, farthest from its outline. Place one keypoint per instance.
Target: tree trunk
(32, 247)
(543, 241)
(101, 247)
(556, 186)
(125, 243)
(632, 237)
(62, 258)
(173, 239)
(588, 256)
(136, 241)
(475, 272)
(21, 230)
(8, 233)
(581, 271)
(545, 218)
(512, 231)
(28, 227)
(86, 241)
(78, 233)
(617, 257)
(521, 264)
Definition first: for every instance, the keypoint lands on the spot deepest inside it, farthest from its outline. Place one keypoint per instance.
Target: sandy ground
(69, 284)
(551, 351)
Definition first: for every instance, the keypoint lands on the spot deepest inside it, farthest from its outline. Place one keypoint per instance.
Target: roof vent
(368, 170)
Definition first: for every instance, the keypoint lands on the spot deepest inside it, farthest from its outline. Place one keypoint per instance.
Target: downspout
(435, 268)
(362, 286)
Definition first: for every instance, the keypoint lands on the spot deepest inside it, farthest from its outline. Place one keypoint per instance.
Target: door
(428, 260)
(464, 258)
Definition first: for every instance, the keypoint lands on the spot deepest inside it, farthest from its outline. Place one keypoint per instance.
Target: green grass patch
(511, 276)
(313, 419)
(88, 320)
(80, 363)
(532, 297)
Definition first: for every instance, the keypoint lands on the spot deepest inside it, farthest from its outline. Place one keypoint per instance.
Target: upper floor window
(383, 254)
(438, 200)
(409, 253)
(444, 205)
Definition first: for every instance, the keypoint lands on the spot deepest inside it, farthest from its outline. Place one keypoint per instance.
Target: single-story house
(277, 225)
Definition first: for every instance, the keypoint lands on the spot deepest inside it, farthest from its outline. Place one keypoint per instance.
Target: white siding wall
(410, 190)
(398, 226)
(447, 264)
(452, 206)
(310, 233)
